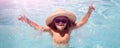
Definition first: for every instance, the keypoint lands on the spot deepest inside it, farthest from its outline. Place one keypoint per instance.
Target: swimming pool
(101, 31)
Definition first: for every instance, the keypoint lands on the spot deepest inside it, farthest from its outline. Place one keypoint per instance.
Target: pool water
(101, 31)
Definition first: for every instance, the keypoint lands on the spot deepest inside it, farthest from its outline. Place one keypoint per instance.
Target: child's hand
(91, 7)
(22, 18)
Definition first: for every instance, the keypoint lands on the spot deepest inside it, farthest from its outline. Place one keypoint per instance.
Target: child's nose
(60, 23)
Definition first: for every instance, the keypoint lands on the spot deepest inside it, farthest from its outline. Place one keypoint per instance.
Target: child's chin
(60, 28)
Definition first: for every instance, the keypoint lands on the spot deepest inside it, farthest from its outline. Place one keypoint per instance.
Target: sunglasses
(61, 20)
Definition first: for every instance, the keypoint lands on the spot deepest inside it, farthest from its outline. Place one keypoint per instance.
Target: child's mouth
(60, 24)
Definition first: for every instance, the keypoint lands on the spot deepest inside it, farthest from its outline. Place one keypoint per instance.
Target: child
(59, 24)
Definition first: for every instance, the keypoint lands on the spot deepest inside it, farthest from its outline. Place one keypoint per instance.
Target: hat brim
(60, 12)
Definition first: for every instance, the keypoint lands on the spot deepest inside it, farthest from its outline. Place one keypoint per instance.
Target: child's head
(61, 23)
(61, 20)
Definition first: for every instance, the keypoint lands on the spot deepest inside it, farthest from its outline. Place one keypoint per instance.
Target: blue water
(101, 31)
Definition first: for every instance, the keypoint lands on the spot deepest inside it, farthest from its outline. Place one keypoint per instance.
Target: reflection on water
(101, 31)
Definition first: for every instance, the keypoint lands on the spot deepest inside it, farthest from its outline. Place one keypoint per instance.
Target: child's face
(61, 23)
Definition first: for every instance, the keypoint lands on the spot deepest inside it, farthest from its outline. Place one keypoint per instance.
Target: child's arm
(33, 24)
(85, 18)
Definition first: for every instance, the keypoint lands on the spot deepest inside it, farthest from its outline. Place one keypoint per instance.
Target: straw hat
(60, 12)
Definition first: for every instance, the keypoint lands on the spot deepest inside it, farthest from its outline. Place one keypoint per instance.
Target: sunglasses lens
(57, 20)
(64, 21)
(61, 20)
